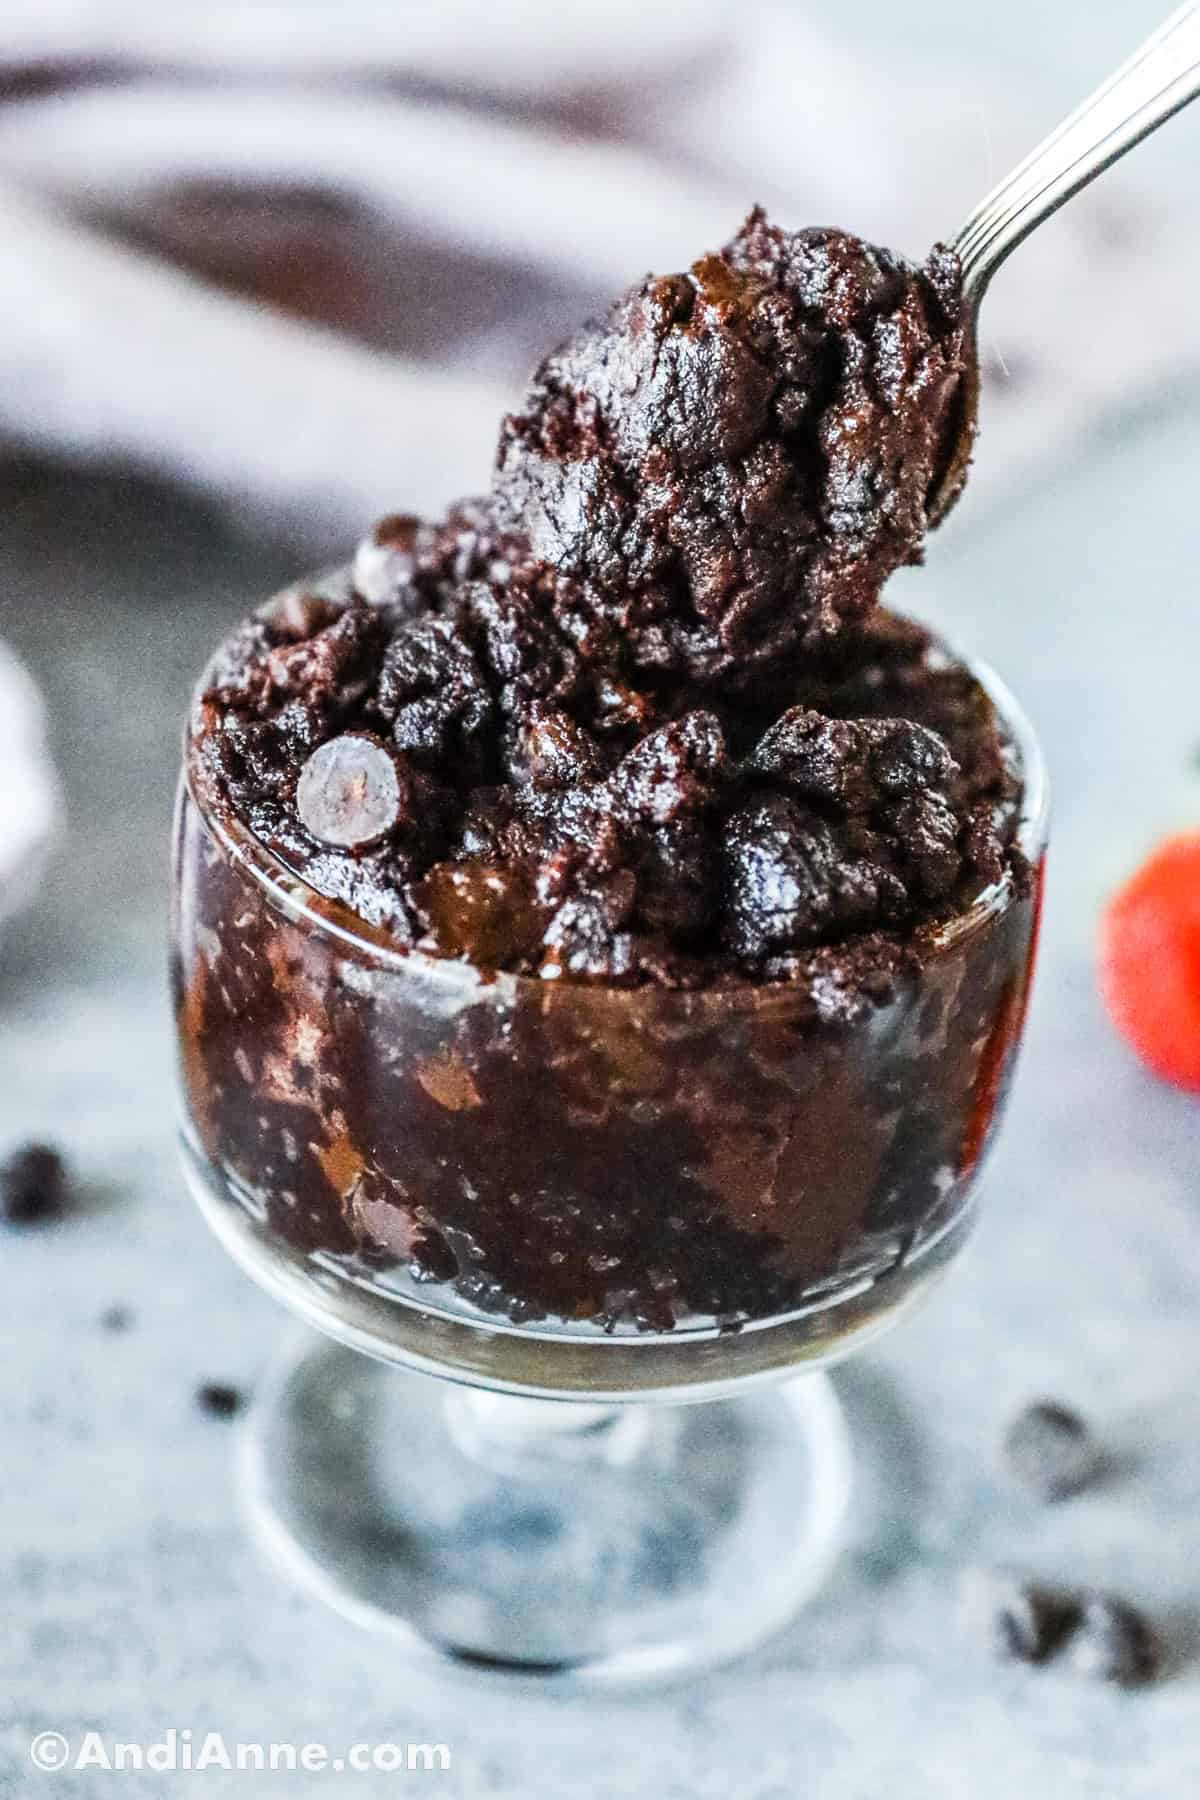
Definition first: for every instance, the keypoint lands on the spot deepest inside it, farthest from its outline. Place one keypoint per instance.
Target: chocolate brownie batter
(459, 779)
(734, 460)
(630, 719)
(634, 726)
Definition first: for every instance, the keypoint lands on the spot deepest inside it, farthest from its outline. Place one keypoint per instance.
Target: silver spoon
(1156, 82)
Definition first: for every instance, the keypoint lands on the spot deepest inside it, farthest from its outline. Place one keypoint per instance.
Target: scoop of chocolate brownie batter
(733, 461)
(636, 717)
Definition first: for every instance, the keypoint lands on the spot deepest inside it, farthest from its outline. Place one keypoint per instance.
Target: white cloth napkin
(29, 795)
(300, 257)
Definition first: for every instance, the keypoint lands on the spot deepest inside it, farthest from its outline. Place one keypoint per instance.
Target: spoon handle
(1158, 79)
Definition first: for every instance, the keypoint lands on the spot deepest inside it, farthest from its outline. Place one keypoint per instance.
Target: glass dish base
(431, 1330)
(589, 1543)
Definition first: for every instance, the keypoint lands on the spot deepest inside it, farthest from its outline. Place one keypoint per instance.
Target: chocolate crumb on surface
(1080, 1631)
(34, 1185)
(1050, 1451)
(116, 1318)
(220, 1399)
(1021, 1620)
(1113, 1641)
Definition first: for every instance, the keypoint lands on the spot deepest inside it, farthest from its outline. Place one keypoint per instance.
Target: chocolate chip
(1112, 1641)
(219, 1399)
(1089, 1634)
(352, 792)
(384, 559)
(296, 613)
(1021, 1620)
(33, 1185)
(1050, 1450)
(116, 1318)
(432, 1258)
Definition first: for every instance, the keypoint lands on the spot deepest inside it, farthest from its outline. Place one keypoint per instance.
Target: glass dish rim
(292, 897)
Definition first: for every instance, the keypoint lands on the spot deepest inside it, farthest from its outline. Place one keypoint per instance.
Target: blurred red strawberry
(1150, 960)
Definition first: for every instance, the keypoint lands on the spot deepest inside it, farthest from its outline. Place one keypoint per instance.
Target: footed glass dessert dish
(583, 1206)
